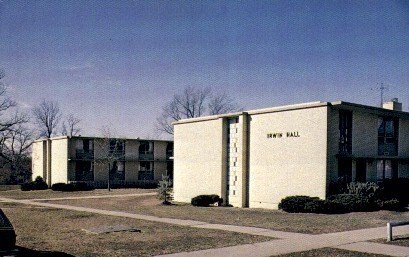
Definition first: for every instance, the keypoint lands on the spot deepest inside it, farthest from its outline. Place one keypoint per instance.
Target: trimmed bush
(75, 186)
(206, 200)
(61, 187)
(149, 184)
(28, 186)
(324, 206)
(37, 184)
(297, 203)
(82, 186)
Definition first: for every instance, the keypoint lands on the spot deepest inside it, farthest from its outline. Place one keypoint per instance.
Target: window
(146, 147)
(117, 147)
(146, 150)
(117, 171)
(84, 149)
(345, 132)
(84, 171)
(146, 171)
(388, 130)
(169, 150)
(387, 169)
(360, 171)
(345, 169)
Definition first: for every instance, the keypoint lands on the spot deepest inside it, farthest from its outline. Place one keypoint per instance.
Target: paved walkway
(376, 248)
(350, 240)
(287, 242)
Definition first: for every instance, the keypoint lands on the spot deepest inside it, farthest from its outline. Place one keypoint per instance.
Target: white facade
(256, 158)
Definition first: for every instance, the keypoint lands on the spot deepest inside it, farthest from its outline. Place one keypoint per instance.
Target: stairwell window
(345, 132)
(388, 130)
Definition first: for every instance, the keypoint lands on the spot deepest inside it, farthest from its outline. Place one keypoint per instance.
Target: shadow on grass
(402, 238)
(25, 252)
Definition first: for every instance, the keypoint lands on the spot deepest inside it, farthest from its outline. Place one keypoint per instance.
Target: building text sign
(280, 135)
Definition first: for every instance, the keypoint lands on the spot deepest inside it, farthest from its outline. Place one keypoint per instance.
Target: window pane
(389, 128)
(379, 168)
(388, 169)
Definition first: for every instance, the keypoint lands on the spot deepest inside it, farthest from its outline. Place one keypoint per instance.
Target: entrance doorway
(360, 171)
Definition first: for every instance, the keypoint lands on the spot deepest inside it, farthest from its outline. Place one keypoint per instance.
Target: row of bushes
(75, 186)
(39, 184)
(386, 189)
(342, 203)
(390, 194)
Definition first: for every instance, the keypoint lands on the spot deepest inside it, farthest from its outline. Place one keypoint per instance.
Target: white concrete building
(67, 159)
(256, 158)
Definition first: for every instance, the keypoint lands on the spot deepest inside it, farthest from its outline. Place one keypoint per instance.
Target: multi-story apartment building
(67, 159)
(258, 157)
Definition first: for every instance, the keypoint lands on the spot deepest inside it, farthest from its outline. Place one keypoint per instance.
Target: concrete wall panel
(59, 161)
(287, 166)
(38, 160)
(198, 165)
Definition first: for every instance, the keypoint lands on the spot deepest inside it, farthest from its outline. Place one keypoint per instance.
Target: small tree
(165, 190)
(111, 151)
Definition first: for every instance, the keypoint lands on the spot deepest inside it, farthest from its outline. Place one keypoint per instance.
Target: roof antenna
(382, 88)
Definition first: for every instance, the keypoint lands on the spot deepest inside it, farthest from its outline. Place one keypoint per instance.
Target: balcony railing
(84, 155)
(146, 156)
(117, 154)
(146, 175)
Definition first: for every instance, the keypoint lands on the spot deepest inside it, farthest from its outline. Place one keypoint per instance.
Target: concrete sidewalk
(350, 240)
(376, 248)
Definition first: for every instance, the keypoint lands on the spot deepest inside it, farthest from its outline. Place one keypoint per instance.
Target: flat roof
(90, 137)
(336, 104)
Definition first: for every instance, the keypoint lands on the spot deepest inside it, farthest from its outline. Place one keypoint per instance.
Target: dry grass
(46, 229)
(397, 240)
(45, 194)
(330, 252)
(277, 220)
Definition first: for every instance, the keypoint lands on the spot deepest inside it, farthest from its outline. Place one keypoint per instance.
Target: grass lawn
(277, 220)
(45, 229)
(330, 252)
(397, 240)
(43, 194)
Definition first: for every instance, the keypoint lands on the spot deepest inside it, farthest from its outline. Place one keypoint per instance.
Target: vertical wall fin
(48, 158)
(245, 159)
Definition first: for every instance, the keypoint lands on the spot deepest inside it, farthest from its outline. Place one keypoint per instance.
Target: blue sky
(118, 62)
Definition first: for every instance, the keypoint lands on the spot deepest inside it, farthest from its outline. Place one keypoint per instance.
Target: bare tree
(111, 153)
(47, 115)
(15, 139)
(9, 117)
(70, 126)
(14, 152)
(221, 103)
(192, 103)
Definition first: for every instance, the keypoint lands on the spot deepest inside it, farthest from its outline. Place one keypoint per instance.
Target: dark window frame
(345, 132)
